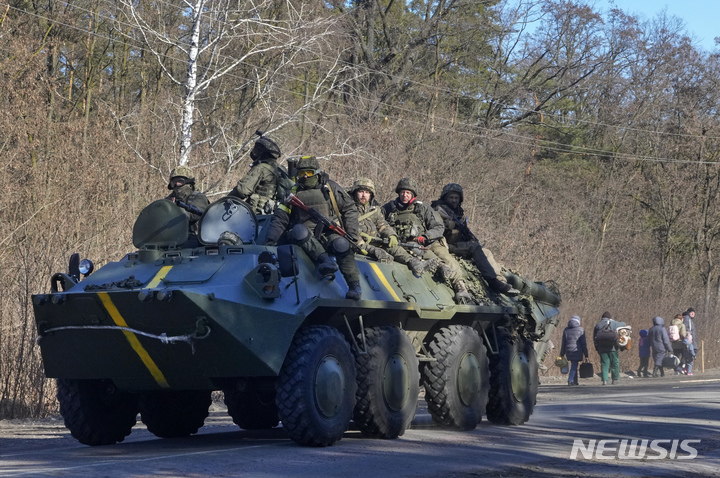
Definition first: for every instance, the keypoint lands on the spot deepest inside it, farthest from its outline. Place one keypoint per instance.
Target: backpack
(284, 184)
(606, 336)
(674, 333)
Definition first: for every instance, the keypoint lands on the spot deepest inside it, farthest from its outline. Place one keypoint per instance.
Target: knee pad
(300, 234)
(341, 246)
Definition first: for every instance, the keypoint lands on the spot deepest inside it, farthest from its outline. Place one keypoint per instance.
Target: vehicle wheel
(388, 383)
(252, 408)
(315, 392)
(456, 384)
(95, 412)
(513, 382)
(174, 414)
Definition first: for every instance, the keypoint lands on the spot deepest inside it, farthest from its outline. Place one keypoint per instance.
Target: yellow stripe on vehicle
(134, 342)
(158, 277)
(384, 281)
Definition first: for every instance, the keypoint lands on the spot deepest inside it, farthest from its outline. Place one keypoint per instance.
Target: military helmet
(407, 183)
(181, 172)
(452, 188)
(265, 148)
(308, 172)
(363, 183)
(308, 162)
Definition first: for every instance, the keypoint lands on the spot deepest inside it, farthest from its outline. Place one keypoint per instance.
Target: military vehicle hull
(160, 329)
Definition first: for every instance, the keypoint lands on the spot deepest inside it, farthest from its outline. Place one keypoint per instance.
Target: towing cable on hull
(202, 332)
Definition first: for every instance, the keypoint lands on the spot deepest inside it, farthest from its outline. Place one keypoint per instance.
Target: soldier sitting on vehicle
(316, 191)
(416, 222)
(462, 241)
(259, 187)
(194, 203)
(375, 229)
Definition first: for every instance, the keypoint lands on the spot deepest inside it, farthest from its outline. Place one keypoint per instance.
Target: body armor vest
(407, 223)
(445, 211)
(267, 188)
(313, 198)
(367, 214)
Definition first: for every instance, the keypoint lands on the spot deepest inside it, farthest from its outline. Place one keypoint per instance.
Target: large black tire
(457, 383)
(513, 382)
(174, 414)
(315, 392)
(388, 383)
(252, 408)
(95, 412)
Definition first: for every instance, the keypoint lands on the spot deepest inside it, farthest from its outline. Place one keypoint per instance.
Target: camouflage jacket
(372, 221)
(258, 186)
(196, 199)
(448, 215)
(284, 217)
(412, 221)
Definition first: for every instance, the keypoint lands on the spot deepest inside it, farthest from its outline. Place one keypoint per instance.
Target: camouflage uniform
(417, 222)
(259, 186)
(182, 185)
(315, 192)
(373, 224)
(463, 244)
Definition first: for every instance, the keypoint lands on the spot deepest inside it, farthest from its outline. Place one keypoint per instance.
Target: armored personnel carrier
(158, 331)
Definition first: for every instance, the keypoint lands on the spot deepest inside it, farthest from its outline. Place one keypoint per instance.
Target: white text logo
(633, 449)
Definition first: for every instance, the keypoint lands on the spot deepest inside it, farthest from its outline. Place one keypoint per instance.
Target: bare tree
(222, 48)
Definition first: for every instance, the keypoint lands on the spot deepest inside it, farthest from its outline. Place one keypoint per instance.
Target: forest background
(588, 145)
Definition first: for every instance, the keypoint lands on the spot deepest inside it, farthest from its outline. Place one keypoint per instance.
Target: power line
(492, 134)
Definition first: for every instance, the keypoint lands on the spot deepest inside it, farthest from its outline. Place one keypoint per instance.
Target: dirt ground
(671, 408)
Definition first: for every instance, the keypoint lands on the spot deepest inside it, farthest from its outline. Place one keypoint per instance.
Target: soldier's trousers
(439, 250)
(333, 244)
(400, 254)
(472, 249)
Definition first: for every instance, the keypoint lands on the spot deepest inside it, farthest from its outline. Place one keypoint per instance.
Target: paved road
(674, 408)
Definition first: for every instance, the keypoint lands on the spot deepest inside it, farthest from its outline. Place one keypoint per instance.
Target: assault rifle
(189, 207)
(321, 218)
(464, 230)
(385, 241)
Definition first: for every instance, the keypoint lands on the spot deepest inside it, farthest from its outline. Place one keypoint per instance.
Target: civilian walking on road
(660, 342)
(644, 353)
(677, 334)
(691, 339)
(606, 343)
(574, 347)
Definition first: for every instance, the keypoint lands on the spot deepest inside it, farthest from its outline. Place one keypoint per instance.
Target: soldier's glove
(393, 241)
(180, 195)
(422, 240)
(237, 193)
(269, 206)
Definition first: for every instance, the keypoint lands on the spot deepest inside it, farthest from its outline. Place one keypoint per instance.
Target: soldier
(462, 241)
(416, 222)
(374, 226)
(260, 185)
(315, 190)
(194, 203)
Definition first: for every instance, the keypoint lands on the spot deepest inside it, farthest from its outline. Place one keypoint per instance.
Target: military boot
(502, 287)
(326, 267)
(419, 266)
(354, 291)
(462, 296)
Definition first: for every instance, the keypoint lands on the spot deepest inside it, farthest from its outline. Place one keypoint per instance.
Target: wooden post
(702, 356)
